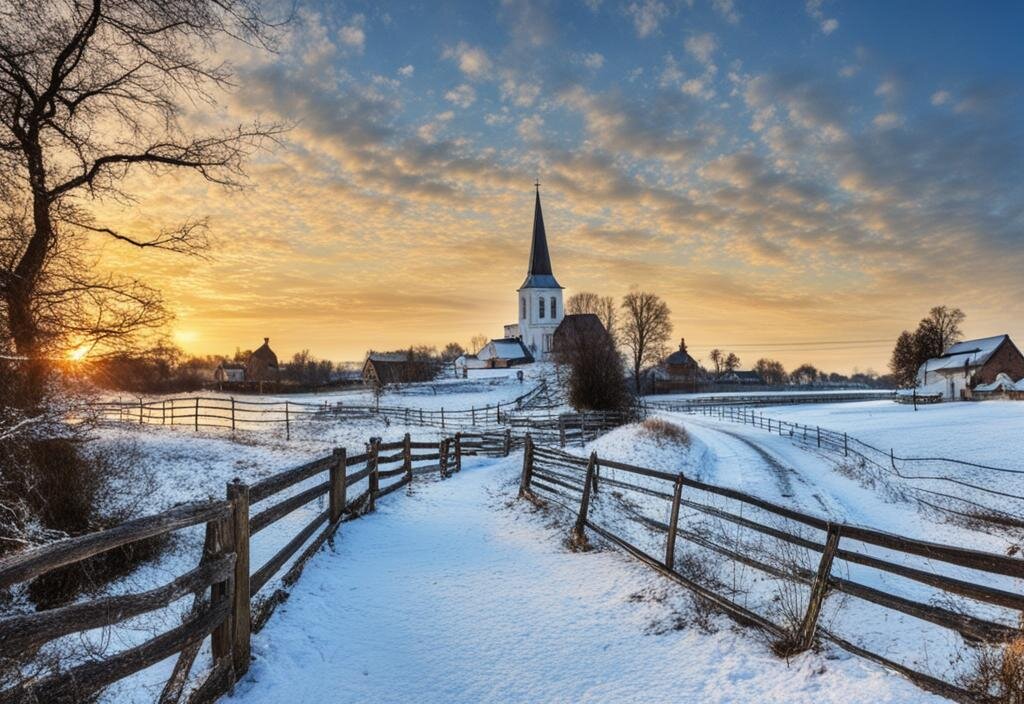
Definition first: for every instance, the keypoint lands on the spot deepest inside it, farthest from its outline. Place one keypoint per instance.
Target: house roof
(680, 357)
(969, 353)
(505, 348)
(266, 354)
(539, 275)
(580, 323)
(231, 365)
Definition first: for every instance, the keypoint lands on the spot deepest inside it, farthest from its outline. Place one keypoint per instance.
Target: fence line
(231, 600)
(575, 483)
(976, 505)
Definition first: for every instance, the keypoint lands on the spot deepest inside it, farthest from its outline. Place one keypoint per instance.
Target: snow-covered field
(458, 594)
(453, 592)
(987, 432)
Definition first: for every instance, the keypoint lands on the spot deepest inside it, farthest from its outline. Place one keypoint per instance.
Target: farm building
(262, 365)
(970, 364)
(740, 378)
(506, 352)
(576, 329)
(384, 368)
(229, 372)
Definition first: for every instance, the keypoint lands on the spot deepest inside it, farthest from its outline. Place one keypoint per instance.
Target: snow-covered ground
(987, 432)
(815, 482)
(458, 594)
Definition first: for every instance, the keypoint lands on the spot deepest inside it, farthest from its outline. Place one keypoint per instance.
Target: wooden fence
(981, 494)
(230, 600)
(521, 415)
(576, 483)
(773, 399)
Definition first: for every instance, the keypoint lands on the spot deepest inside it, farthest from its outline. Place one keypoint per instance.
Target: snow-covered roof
(1003, 382)
(506, 348)
(969, 353)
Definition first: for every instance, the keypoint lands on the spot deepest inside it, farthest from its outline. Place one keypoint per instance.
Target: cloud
(406, 71)
(471, 60)
(940, 97)
(592, 60)
(462, 95)
(727, 9)
(701, 47)
(826, 24)
(522, 94)
(887, 120)
(647, 15)
(529, 128)
(353, 35)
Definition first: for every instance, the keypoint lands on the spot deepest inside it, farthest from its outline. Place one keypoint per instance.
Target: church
(539, 299)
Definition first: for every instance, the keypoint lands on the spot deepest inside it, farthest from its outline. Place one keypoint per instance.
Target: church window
(523, 306)
(541, 301)
(547, 340)
(554, 314)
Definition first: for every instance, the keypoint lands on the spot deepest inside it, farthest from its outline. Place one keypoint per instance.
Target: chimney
(266, 341)
(682, 345)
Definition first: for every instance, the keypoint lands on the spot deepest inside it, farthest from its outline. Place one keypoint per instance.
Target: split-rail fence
(230, 599)
(577, 483)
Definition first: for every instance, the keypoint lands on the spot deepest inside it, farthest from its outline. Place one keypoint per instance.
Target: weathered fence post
(846, 446)
(287, 423)
(508, 441)
(407, 456)
(241, 623)
(232, 414)
(140, 410)
(561, 431)
(442, 417)
(673, 521)
(373, 479)
(163, 412)
(458, 452)
(218, 543)
(524, 479)
(819, 590)
(338, 472)
(197, 414)
(819, 435)
(442, 458)
(472, 411)
(578, 536)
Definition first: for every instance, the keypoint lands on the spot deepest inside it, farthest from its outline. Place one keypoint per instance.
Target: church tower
(540, 296)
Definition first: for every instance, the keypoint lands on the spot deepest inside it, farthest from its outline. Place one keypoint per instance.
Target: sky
(798, 180)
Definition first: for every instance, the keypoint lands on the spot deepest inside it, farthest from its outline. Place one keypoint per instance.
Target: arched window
(554, 308)
(541, 308)
(523, 306)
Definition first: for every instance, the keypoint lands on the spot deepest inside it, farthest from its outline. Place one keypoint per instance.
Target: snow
(455, 594)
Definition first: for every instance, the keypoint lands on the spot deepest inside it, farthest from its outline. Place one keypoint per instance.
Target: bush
(597, 378)
(665, 432)
(67, 486)
(997, 674)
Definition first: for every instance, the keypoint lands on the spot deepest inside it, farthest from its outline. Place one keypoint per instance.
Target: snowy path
(456, 594)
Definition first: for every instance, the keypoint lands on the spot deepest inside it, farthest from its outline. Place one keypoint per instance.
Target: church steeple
(539, 274)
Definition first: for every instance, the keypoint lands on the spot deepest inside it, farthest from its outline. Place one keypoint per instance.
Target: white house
(540, 297)
(968, 364)
(504, 353)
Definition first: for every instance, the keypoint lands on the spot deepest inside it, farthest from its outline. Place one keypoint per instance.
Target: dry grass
(997, 674)
(664, 432)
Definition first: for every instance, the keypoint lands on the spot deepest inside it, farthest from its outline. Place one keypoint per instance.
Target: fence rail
(231, 600)
(576, 483)
(982, 491)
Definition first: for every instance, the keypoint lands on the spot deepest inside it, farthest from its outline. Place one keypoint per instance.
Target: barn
(969, 364)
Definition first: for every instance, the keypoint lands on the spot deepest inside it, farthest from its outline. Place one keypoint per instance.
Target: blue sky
(779, 172)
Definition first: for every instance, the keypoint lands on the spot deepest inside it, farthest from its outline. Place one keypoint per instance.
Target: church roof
(539, 275)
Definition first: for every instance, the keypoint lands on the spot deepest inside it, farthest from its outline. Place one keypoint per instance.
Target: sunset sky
(798, 180)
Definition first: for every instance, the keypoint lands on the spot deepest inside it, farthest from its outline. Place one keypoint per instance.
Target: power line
(797, 344)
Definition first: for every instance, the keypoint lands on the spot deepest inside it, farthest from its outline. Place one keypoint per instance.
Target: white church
(539, 303)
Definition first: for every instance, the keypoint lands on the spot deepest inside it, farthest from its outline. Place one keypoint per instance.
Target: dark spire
(539, 275)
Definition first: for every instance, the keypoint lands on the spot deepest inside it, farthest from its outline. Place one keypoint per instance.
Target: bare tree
(601, 306)
(731, 362)
(91, 93)
(646, 329)
(771, 370)
(717, 357)
(478, 342)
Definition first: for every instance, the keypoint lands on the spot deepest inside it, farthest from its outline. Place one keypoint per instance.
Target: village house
(578, 329)
(262, 365)
(506, 352)
(229, 372)
(390, 368)
(970, 364)
(740, 378)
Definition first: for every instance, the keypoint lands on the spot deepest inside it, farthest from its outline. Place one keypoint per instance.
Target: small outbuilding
(262, 364)
(970, 364)
(506, 352)
(229, 373)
